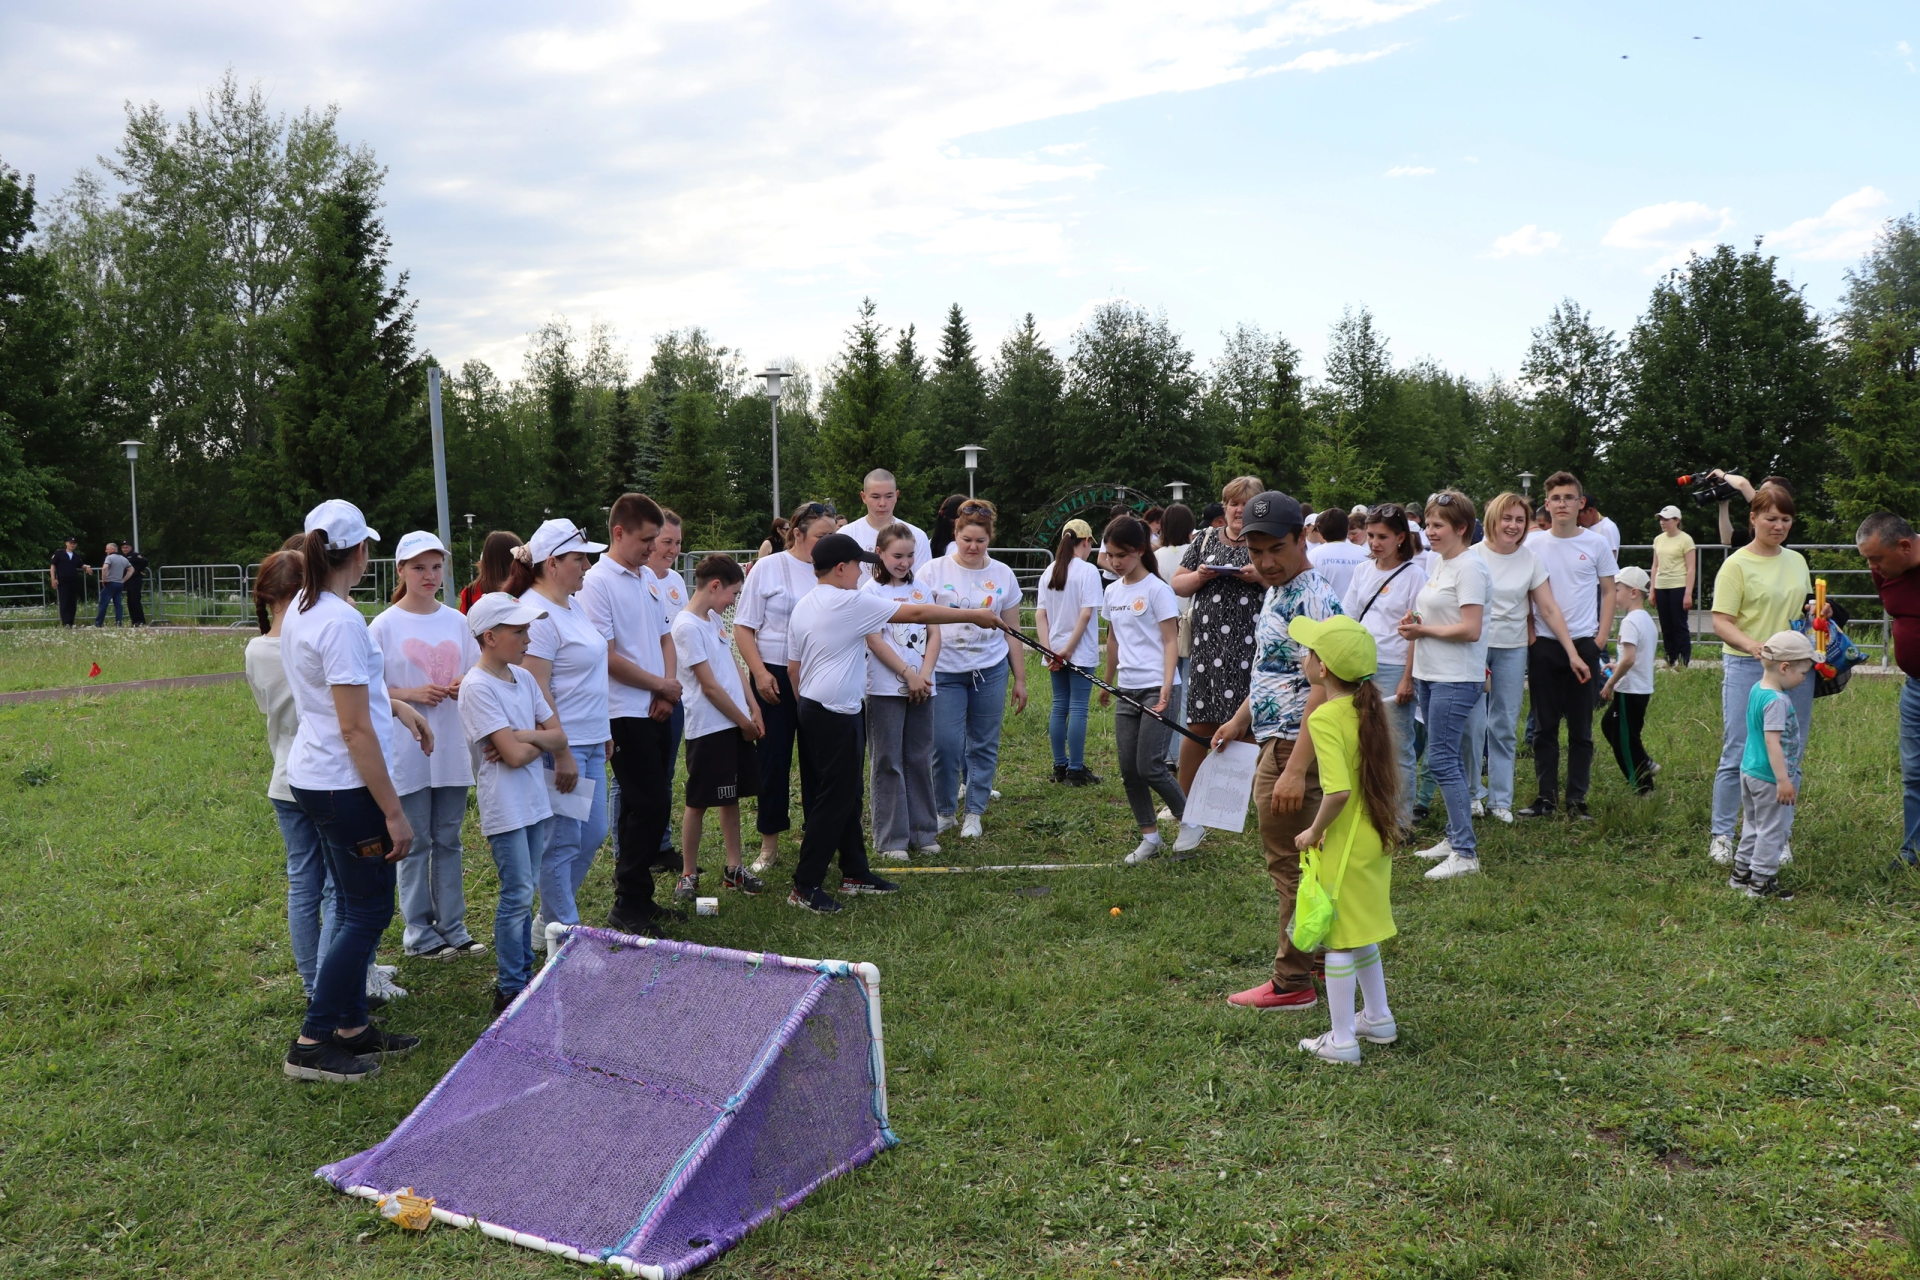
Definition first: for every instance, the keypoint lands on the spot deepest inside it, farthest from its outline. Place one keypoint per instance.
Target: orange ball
(1114, 912)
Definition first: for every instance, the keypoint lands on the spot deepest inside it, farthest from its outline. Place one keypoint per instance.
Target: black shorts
(721, 768)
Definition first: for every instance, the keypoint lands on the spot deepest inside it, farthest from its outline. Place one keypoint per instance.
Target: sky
(1456, 166)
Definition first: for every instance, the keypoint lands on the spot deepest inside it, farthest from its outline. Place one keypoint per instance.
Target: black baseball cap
(73, 537)
(837, 549)
(1274, 514)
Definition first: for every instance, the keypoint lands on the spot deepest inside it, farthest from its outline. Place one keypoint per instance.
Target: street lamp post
(773, 378)
(133, 489)
(973, 452)
(1179, 488)
(470, 542)
(1526, 484)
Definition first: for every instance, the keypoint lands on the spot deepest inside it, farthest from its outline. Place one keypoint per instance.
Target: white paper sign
(576, 804)
(1223, 787)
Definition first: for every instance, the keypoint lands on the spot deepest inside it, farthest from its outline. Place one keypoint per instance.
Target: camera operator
(1731, 537)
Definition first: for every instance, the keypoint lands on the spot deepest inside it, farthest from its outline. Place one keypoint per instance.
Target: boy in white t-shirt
(1630, 688)
(508, 724)
(722, 726)
(827, 662)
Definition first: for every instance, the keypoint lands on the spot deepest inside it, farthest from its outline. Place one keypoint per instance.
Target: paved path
(81, 691)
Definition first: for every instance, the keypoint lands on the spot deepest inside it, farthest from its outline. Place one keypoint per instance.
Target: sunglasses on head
(815, 509)
(1385, 511)
(975, 509)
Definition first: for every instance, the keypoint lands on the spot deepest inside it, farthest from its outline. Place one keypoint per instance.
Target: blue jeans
(309, 891)
(1739, 674)
(1067, 722)
(363, 905)
(1910, 763)
(1386, 678)
(572, 844)
(517, 854)
(966, 723)
(433, 899)
(110, 591)
(1448, 707)
(1492, 735)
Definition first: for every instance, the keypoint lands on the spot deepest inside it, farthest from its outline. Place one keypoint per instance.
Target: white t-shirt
(827, 636)
(1637, 629)
(908, 640)
(1455, 583)
(766, 603)
(868, 537)
(1515, 575)
(427, 648)
(1607, 529)
(697, 640)
(1135, 614)
(268, 680)
(670, 591)
(325, 646)
(963, 646)
(1083, 591)
(510, 798)
(620, 602)
(1336, 562)
(575, 642)
(1575, 566)
(1392, 597)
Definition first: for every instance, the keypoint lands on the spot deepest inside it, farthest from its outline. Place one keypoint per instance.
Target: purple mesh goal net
(647, 1103)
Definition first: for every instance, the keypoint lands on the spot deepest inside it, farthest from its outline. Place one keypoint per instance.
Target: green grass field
(1610, 1065)
(56, 657)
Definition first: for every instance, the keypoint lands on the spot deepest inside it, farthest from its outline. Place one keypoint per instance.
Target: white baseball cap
(556, 538)
(498, 609)
(1633, 576)
(341, 521)
(1669, 512)
(1313, 519)
(412, 544)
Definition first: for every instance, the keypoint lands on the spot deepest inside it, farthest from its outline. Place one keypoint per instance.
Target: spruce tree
(1023, 396)
(37, 418)
(1257, 401)
(692, 478)
(623, 442)
(1878, 432)
(955, 414)
(861, 411)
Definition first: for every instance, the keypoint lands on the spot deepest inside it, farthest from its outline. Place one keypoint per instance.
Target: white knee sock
(1340, 983)
(1373, 983)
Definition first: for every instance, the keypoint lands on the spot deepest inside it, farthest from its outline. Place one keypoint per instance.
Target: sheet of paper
(1223, 787)
(576, 804)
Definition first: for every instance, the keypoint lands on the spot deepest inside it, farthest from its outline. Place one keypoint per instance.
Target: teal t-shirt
(1768, 709)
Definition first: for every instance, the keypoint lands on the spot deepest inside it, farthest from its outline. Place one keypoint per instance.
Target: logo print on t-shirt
(1139, 604)
(917, 596)
(440, 662)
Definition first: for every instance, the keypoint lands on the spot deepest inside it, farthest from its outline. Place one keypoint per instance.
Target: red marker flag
(93, 671)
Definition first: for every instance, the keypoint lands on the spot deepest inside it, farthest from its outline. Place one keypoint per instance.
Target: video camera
(1704, 487)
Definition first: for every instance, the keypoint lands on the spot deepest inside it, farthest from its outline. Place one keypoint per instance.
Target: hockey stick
(1031, 643)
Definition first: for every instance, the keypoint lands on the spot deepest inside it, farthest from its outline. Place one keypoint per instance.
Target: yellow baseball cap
(1078, 528)
(1343, 644)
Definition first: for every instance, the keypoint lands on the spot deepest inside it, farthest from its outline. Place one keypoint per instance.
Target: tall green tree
(1021, 408)
(1256, 403)
(692, 479)
(953, 411)
(1353, 409)
(623, 444)
(1575, 395)
(1878, 430)
(1132, 412)
(36, 404)
(862, 410)
(1728, 368)
(1341, 470)
(349, 407)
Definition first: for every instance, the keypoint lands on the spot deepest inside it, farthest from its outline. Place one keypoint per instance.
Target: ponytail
(318, 564)
(277, 582)
(1380, 779)
(1063, 556)
(522, 574)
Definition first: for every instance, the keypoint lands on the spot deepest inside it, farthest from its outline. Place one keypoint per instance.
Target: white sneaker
(1786, 854)
(381, 986)
(1503, 815)
(931, 846)
(993, 795)
(539, 933)
(1479, 808)
(1165, 814)
(1381, 1032)
(1189, 838)
(1455, 865)
(1653, 768)
(1720, 849)
(1324, 1048)
(388, 969)
(970, 829)
(1150, 848)
(894, 855)
(944, 824)
(765, 861)
(1442, 850)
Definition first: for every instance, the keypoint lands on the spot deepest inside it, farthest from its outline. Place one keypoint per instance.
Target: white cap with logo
(498, 609)
(1634, 576)
(1669, 512)
(341, 521)
(413, 544)
(557, 537)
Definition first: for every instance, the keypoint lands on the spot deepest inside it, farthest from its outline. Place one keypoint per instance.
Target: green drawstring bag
(1314, 907)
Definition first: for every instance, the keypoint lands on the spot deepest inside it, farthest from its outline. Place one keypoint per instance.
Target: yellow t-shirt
(1363, 907)
(1763, 594)
(1670, 559)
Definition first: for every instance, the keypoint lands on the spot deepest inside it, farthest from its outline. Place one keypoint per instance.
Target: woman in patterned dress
(1226, 597)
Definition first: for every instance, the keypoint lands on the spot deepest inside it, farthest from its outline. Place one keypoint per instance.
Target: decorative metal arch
(1043, 527)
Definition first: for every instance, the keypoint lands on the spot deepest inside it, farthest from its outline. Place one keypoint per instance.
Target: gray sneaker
(688, 889)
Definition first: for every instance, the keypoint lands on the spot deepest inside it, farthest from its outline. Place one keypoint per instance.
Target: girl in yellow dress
(1360, 782)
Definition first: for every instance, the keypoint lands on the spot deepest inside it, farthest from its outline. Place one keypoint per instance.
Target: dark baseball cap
(73, 537)
(837, 549)
(1274, 514)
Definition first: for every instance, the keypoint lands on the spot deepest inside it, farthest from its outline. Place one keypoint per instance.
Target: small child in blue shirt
(1769, 786)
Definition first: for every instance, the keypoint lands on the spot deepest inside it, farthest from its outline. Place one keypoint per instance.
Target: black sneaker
(742, 880)
(328, 1062)
(666, 860)
(621, 921)
(1541, 808)
(373, 1041)
(1082, 777)
(445, 951)
(818, 901)
(1578, 812)
(869, 883)
(1905, 860)
(470, 948)
(1420, 812)
(501, 999)
(1059, 773)
(1769, 887)
(1741, 879)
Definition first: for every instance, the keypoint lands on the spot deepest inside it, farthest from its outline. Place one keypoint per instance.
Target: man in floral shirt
(1286, 788)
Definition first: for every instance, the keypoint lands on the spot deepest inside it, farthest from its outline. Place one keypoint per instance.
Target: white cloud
(1528, 242)
(1327, 59)
(1845, 230)
(1679, 227)
(1410, 171)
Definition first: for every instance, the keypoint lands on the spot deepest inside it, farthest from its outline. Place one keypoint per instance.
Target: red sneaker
(1265, 996)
